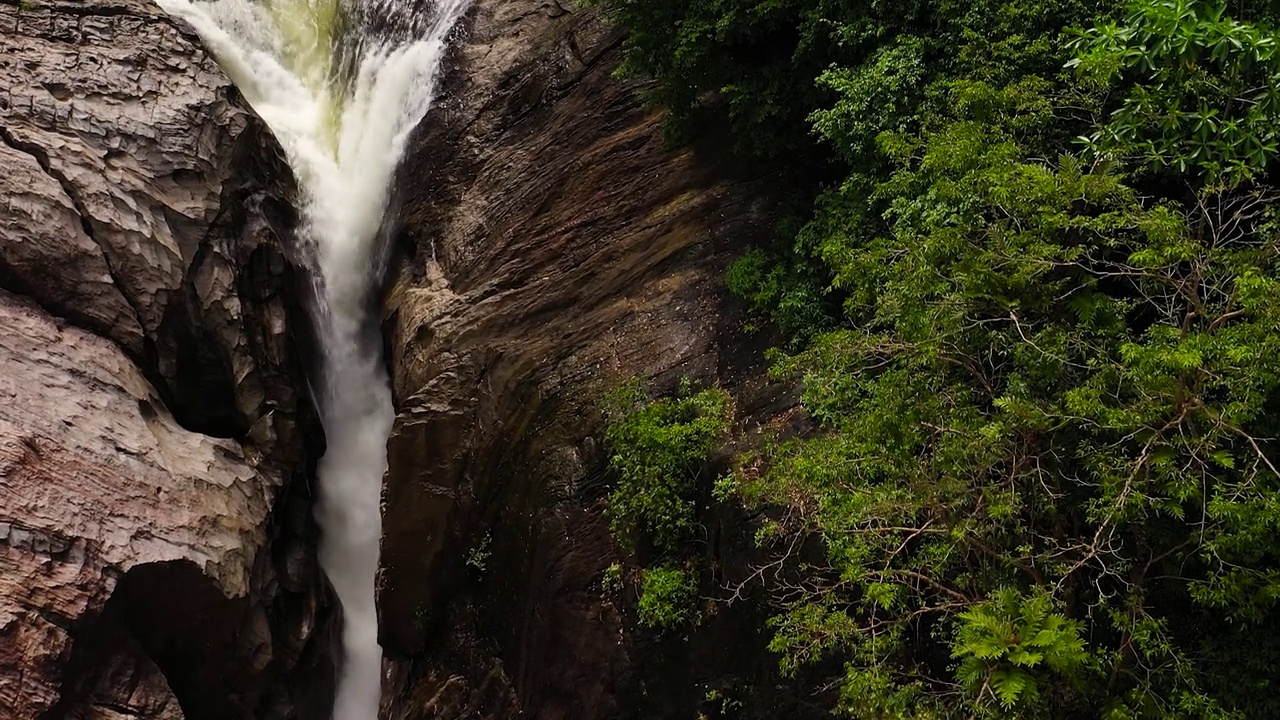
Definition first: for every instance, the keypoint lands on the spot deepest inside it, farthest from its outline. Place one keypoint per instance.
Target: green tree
(1199, 88)
(1036, 313)
(1046, 384)
(658, 449)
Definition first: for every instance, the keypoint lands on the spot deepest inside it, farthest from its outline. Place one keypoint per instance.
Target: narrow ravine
(341, 83)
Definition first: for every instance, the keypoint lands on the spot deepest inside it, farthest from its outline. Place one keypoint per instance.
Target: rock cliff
(156, 549)
(154, 426)
(554, 247)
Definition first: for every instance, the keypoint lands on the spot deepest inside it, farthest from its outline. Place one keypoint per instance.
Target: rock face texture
(119, 137)
(154, 429)
(554, 248)
(144, 490)
(156, 547)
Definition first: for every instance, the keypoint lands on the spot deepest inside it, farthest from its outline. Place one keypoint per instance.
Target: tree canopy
(1033, 300)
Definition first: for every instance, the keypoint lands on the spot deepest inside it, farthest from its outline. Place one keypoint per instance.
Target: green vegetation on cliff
(658, 451)
(1034, 301)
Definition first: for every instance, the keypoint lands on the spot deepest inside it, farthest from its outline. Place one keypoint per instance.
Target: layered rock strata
(554, 248)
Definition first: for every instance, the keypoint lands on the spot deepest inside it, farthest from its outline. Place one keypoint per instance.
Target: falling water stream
(341, 83)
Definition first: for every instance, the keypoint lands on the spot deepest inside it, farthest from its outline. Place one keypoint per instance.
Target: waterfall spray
(341, 83)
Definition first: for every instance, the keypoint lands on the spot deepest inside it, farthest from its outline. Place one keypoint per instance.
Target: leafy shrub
(658, 449)
(667, 598)
(1004, 642)
(1200, 88)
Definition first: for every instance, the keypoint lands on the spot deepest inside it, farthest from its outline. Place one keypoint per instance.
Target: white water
(341, 83)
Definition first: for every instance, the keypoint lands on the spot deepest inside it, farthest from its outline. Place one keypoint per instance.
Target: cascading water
(341, 83)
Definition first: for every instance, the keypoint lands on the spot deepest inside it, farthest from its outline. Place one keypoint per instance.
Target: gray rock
(130, 125)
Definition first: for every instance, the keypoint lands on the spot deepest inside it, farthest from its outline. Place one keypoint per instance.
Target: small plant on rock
(667, 598)
(658, 449)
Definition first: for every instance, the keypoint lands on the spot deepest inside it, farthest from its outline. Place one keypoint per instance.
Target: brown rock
(132, 687)
(97, 478)
(44, 240)
(156, 548)
(555, 248)
(131, 131)
(123, 146)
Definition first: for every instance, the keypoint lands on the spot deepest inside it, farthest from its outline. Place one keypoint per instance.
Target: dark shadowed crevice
(265, 656)
(183, 621)
(253, 238)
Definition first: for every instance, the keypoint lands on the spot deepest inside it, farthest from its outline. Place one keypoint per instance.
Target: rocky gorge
(158, 443)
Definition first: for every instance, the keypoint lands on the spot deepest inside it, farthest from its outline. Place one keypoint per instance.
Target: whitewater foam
(341, 84)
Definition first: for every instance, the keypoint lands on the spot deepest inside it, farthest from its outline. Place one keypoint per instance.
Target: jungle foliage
(658, 453)
(1035, 306)
(657, 448)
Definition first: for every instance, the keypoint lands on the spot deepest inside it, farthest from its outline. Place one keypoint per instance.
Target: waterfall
(341, 83)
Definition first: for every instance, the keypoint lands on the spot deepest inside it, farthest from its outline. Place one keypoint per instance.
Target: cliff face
(554, 248)
(153, 427)
(155, 436)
